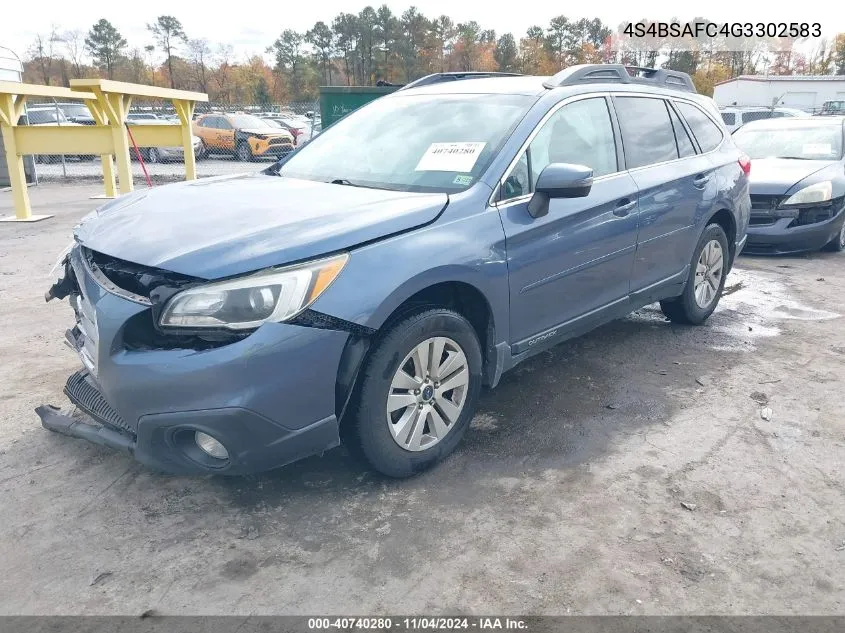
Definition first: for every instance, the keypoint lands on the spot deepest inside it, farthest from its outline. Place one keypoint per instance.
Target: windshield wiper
(343, 181)
(796, 157)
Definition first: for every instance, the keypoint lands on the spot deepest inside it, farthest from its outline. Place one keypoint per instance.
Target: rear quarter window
(706, 132)
(647, 133)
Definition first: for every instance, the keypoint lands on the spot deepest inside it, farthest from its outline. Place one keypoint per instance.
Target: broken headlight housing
(812, 194)
(244, 303)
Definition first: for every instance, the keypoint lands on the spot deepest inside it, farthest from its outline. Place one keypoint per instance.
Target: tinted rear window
(703, 128)
(647, 133)
(729, 118)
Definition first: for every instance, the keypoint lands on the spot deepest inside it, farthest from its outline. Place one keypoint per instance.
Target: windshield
(244, 121)
(38, 117)
(76, 110)
(822, 142)
(439, 143)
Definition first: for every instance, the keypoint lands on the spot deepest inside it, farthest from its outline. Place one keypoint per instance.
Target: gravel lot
(628, 471)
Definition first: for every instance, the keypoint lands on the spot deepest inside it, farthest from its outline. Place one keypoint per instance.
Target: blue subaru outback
(366, 287)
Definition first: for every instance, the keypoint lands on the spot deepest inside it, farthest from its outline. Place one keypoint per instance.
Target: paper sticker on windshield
(816, 148)
(450, 157)
(462, 180)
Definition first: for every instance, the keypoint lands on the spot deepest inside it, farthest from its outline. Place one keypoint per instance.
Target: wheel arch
(462, 296)
(724, 218)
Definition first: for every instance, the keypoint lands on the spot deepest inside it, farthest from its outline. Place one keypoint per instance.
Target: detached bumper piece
(111, 430)
(53, 419)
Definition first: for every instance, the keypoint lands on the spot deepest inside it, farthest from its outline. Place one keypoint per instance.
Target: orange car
(244, 135)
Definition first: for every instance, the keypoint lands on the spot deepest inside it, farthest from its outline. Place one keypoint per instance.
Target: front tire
(244, 152)
(418, 393)
(153, 156)
(837, 244)
(708, 270)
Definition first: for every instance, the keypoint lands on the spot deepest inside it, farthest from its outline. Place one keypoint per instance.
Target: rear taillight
(745, 164)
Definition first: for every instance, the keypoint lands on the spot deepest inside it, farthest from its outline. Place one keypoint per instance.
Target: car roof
(524, 85)
(531, 85)
(793, 122)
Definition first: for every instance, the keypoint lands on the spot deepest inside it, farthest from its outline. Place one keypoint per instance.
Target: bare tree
(74, 41)
(42, 52)
(200, 52)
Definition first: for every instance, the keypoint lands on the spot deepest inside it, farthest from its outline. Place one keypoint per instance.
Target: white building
(806, 92)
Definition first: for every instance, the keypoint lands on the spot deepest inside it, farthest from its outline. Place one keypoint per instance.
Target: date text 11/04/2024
(697, 30)
(417, 623)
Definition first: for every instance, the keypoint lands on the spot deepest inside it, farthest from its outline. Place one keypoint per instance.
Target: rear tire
(837, 244)
(426, 423)
(708, 270)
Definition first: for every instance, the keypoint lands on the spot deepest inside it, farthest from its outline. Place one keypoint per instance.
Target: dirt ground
(631, 471)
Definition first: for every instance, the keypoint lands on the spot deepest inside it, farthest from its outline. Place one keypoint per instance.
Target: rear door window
(706, 132)
(647, 133)
(685, 146)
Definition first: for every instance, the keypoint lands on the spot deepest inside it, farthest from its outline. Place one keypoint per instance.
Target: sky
(251, 27)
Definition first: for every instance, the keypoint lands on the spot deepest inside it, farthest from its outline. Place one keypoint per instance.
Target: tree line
(377, 45)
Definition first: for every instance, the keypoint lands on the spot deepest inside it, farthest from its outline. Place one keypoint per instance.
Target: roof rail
(619, 73)
(437, 78)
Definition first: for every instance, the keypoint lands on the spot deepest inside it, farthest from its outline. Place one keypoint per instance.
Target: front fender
(381, 276)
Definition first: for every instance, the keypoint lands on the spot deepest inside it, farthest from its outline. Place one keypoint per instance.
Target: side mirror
(559, 180)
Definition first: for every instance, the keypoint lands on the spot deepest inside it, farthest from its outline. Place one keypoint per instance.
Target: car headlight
(813, 194)
(276, 294)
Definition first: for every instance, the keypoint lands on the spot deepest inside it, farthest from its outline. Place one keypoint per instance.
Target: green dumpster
(338, 101)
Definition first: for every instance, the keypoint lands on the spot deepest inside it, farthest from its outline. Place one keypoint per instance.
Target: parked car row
(244, 136)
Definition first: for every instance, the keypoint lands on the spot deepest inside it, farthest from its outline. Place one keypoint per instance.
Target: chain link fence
(227, 138)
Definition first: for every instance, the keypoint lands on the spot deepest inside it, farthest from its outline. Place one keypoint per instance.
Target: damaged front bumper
(268, 397)
(772, 235)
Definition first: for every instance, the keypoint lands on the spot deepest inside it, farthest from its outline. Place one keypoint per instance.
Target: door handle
(701, 180)
(624, 206)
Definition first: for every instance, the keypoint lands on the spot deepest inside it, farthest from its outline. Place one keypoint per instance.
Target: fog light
(210, 446)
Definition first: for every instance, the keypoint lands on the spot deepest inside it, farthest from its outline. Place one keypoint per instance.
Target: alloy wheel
(708, 274)
(427, 393)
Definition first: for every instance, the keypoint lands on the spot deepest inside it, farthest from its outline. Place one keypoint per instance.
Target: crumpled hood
(776, 176)
(217, 227)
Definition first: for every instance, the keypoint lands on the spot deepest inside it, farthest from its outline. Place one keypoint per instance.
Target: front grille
(765, 203)
(134, 278)
(81, 392)
(761, 220)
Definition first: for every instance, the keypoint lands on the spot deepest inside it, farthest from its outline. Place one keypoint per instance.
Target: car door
(205, 129)
(576, 260)
(225, 134)
(672, 181)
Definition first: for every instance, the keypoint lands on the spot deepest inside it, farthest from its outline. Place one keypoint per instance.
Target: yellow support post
(11, 109)
(185, 110)
(109, 182)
